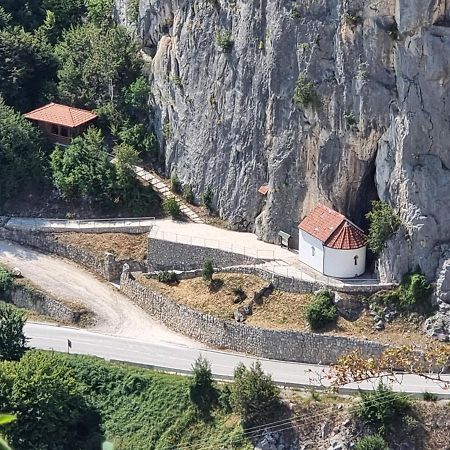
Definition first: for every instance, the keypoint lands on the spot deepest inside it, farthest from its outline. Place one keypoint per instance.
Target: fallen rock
(438, 327)
(379, 326)
(238, 316)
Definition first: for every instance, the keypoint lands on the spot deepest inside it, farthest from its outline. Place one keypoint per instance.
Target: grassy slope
(142, 410)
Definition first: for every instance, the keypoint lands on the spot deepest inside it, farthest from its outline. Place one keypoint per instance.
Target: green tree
(6, 280)
(208, 271)
(321, 311)
(99, 12)
(22, 158)
(136, 95)
(382, 407)
(255, 397)
(95, 65)
(29, 14)
(202, 391)
(68, 13)
(44, 395)
(12, 339)
(27, 68)
(372, 442)
(83, 170)
(383, 224)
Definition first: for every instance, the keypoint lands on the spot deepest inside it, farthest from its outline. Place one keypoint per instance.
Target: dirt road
(115, 314)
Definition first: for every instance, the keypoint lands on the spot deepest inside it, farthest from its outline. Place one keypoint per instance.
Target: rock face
(379, 128)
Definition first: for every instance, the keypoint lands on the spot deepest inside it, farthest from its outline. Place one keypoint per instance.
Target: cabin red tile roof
(61, 115)
(333, 229)
(264, 189)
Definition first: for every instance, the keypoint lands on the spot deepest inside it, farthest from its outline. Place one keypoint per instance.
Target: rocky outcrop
(226, 118)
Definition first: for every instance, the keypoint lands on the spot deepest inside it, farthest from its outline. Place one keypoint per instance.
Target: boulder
(349, 306)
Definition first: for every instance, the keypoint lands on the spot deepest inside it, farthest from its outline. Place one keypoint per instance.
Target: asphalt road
(178, 358)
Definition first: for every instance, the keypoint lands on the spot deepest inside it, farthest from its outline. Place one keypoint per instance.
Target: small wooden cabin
(61, 123)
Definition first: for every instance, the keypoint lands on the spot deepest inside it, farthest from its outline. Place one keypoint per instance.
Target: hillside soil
(124, 246)
(281, 310)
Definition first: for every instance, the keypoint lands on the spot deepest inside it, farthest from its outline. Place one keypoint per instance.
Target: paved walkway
(133, 225)
(161, 187)
(278, 260)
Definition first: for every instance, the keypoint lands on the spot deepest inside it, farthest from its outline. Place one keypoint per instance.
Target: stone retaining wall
(107, 267)
(275, 344)
(167, 255)
(39, 301)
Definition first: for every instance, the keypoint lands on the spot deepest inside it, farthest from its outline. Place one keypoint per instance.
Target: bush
(223, 40)
(255, 397)
(304, 93)
(430, 397)
(382, 407)
(175, 183)
(171, 207)
(321, 311)
(12, 340)
(225, 399)
(373, 442)
(383, 224)
(202, 391)
(208, 271)
(207, 198)
(6, 280)
(414, 291)
(167, 277)
(188, 195)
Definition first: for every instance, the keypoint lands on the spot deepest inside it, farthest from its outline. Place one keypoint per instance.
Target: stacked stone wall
(33, 299)
(107, 266)
(274, 344)
(168, 255)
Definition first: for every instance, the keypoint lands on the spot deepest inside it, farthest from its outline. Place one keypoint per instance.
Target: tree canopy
(21, 152)
(83, 170)
(12, 339)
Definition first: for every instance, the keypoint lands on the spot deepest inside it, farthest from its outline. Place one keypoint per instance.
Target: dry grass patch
(125, 246)
(281, 310)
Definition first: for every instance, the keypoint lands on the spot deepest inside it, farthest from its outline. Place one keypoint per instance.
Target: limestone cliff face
(378, 128)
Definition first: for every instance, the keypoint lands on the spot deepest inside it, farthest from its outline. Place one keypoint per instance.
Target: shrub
(167, 277)
(175, 183)
(321, 311)
(188, 195)
(171, 207)
(12, 340)
(373, 442)
(6, 280)
(223, 40)
(383, 224)
(207, 198)
(381, 407)
(414, 291)
(202, 391)
(430, 397)
(255, 397)
(208, 271)
(304, 93)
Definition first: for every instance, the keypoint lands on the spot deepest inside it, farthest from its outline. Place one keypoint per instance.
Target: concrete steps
(159, 186)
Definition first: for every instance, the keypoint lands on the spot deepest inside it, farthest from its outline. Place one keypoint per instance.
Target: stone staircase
(161, 187)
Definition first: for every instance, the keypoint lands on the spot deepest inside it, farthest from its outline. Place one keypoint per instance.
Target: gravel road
(115, 314)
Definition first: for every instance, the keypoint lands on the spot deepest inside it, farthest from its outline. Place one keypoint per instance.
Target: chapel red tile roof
(347, 237)
(333, 229)
(66, 116)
